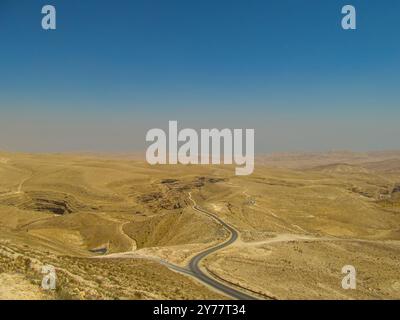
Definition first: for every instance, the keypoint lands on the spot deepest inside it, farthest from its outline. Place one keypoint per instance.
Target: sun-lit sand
(299, 219)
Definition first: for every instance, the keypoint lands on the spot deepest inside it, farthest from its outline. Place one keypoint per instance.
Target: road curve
(193, 268)
(195, 261)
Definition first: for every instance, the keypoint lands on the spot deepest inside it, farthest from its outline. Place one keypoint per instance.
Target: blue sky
(114, 69)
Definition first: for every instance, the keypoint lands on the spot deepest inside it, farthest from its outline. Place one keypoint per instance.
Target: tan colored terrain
(300, 220)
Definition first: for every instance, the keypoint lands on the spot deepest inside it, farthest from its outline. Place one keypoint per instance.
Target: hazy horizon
(284, 68)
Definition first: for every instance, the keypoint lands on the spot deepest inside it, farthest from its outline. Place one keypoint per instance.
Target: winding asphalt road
(195, 261)
(193, 268)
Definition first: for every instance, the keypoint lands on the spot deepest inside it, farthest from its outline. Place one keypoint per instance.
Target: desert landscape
(115, 227)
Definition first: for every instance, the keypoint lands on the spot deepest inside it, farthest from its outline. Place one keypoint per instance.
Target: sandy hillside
(299, 219)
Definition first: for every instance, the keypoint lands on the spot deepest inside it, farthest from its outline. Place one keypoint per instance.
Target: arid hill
(111, 225)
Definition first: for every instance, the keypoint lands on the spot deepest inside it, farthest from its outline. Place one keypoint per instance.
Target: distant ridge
(304, 160)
